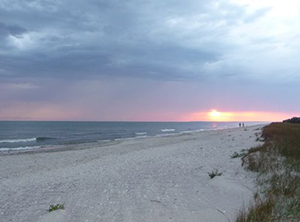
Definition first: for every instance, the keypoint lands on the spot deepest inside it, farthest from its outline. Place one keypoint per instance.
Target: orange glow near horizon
(214, 115)
(219, 116)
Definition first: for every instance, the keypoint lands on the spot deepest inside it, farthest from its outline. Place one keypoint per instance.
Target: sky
(142, 60)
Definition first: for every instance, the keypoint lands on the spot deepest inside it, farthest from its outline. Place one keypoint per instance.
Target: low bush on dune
(240, 154)
(56, 207)
(277, 163)
(214, 173)
(292, 120)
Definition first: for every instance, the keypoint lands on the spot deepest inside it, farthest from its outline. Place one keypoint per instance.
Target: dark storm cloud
(77, 39)
(144, 60)
(14, 30)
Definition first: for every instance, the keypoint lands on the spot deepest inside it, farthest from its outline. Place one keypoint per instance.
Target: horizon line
(154, 121)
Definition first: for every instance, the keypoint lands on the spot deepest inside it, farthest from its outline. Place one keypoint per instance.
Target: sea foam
(167, 130)
(18, 140)
(141, 133)
(19, 148)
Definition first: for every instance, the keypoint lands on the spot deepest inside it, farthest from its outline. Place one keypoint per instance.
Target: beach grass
(277, 163)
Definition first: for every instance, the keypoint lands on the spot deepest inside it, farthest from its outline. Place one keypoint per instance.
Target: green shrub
(237, 155)
(56, 207)
(214, 173)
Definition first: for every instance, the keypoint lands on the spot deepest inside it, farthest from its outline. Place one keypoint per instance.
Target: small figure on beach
(240, 124)
(243, 124)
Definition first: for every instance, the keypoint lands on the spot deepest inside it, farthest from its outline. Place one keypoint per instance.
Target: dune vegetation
(277, 163)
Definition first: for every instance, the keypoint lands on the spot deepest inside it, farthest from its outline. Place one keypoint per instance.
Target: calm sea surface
(23, 135)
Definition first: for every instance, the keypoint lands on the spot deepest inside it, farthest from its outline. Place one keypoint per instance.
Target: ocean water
(26, 135)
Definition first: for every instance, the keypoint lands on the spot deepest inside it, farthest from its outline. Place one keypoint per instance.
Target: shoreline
(101, 143)
(145, 179)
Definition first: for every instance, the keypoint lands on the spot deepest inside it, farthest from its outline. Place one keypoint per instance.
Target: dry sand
(143, 180)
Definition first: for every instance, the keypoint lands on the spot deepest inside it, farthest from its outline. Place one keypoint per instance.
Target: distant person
(243, 124)
(240, 124)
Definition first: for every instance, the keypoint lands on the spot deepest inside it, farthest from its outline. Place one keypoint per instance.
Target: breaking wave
(18, 140)
(41, 139)
(19, 148)
(38, 139)
(167, 130)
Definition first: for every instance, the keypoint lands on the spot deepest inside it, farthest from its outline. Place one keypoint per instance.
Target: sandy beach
(141, 180)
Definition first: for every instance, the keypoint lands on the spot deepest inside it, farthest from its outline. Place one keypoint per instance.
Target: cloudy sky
(147, 60)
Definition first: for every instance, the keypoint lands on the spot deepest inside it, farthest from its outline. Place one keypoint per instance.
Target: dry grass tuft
(277, 163)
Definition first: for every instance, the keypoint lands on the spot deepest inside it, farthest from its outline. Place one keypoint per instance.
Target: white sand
(152, 179)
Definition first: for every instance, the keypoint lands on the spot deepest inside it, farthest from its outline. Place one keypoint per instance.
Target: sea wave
(38, 139)
(131, 138)
(18, 140)
(141, 133)
(19, 148)
(167, 134)
(192, 131)
(41, 139)
(140, 137)
(104, 141)
(167, 130)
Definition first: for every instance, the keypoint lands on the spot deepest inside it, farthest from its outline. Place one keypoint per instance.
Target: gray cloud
(137, 56)
(14, 30)
(73, 39)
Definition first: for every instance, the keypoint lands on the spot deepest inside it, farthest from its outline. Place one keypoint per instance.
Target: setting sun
(224, 116)
(215, 113)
